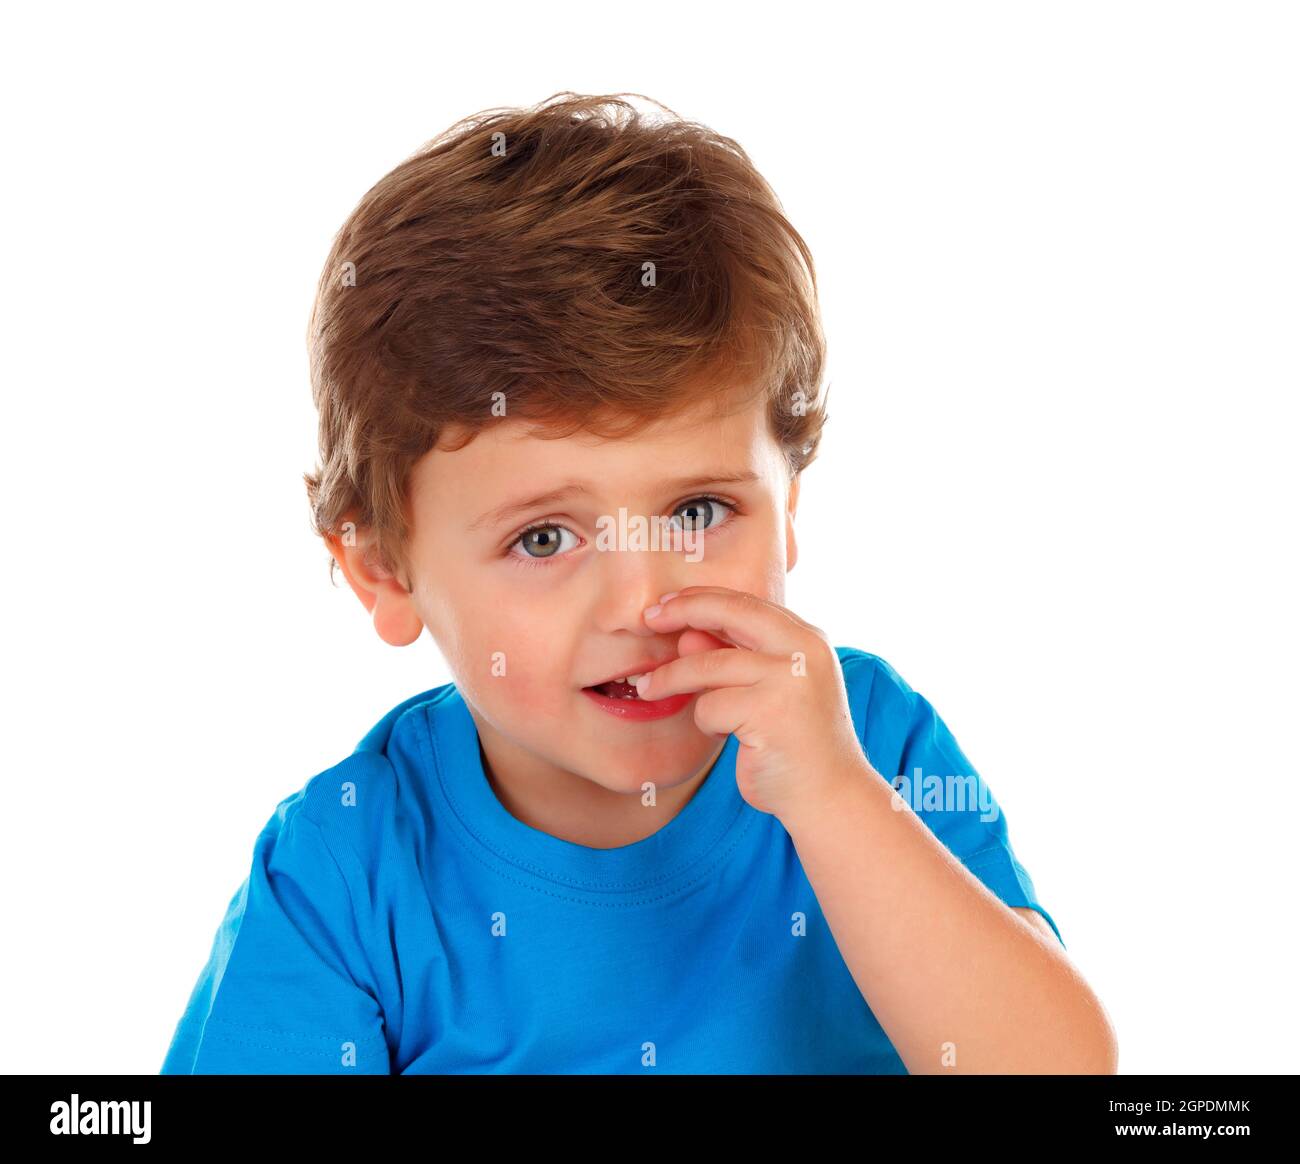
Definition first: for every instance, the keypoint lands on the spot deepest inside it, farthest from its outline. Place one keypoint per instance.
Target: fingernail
(642, 684)
(670, 594)
(651, 611)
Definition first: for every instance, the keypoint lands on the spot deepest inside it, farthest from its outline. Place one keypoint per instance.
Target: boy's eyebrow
(580, 488)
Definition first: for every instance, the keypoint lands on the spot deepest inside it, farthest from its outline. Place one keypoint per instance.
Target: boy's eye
(701, 515)
(546, 540)
(543, 541)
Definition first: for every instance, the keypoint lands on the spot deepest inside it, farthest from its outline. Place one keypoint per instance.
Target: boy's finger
(727, 667)
(784, 611)
(744, 619)
(692, 642)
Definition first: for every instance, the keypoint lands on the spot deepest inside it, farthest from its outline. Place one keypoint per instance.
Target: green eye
(704, 507)
(542, 541)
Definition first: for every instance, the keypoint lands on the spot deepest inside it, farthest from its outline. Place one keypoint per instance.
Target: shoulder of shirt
(881, 702)
(871, 678)
(352, 803)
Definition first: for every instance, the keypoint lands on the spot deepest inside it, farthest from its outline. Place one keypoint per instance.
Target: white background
(1057, 248)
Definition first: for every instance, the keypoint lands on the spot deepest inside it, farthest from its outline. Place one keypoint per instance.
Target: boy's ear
(791, 544)
(381, 592)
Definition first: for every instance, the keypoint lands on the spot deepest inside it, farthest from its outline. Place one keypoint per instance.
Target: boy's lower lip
(639, 710)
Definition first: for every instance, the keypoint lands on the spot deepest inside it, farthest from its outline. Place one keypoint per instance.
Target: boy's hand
(772, 680)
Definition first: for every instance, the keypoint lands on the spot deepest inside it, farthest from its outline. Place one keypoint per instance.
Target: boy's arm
(1035, 919)
(956, 982)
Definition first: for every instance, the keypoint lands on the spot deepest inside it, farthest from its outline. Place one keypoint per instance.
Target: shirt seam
(991, 852)
(279, 1033)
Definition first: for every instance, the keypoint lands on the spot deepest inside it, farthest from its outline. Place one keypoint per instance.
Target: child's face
(524, 633)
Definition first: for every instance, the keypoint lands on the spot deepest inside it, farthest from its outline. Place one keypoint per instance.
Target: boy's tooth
(632, 679)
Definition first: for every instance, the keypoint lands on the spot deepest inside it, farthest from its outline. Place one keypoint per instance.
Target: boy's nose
(630, 580)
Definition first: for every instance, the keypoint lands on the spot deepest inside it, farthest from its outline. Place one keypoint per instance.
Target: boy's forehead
(511, 453)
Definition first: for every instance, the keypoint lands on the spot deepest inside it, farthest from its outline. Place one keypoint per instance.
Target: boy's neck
(576, 809)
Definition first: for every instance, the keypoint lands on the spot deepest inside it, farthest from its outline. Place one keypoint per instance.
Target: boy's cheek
(518, 692)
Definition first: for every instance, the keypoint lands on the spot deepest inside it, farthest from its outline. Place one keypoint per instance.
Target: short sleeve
(910, 745)
(285, 989)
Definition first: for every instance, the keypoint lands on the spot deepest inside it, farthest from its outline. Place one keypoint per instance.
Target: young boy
(567, 363)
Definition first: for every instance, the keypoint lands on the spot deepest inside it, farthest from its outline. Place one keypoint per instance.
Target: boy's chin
(666, 761)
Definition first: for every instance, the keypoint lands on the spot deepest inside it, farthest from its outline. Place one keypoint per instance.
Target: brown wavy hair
(595, 266)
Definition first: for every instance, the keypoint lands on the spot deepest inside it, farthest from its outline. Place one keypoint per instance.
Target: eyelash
(528, 562)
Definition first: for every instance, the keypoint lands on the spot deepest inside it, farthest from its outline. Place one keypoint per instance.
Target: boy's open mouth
(615, 689)
(618, 696)
(623, 685)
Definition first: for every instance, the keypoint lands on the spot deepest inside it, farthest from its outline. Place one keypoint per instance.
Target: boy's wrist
(850, 790)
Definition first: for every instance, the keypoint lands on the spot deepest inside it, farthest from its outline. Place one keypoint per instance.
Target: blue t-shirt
(398, 919)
